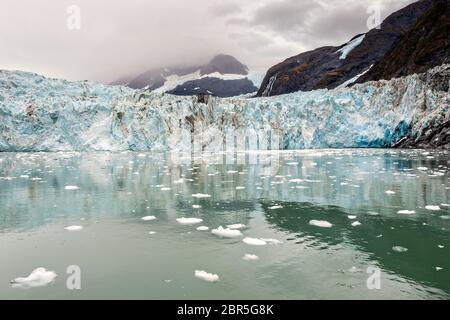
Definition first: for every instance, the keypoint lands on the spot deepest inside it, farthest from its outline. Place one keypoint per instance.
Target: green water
(119, 258)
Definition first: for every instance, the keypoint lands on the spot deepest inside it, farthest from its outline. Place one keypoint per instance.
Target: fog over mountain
(122, 38)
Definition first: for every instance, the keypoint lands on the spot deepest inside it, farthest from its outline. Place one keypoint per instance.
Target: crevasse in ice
(41, 114)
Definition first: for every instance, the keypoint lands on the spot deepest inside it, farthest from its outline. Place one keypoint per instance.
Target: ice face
(40, 114)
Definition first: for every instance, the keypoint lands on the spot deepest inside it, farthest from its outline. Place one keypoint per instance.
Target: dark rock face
(326, 68)
(215, 87)
(224, 64)
(424, 46)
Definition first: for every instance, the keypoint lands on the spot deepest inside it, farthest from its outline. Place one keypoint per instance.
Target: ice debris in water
(406, 212)
(227, 233)
(202, 228)
(254, 241)
(356, 224)
(148, 218)
(441, 246)
(373, 213)
(399, 249)
(422, 168)
(151, 232)
(275, 207)
(71, 187)
(352, 217)
(206, 276)
(189, 220)
(250, 257)
(39, 277)
(272, 241)
(240, 188)
(432, 208)
(201, 195)
(320, 223)
(196, 206)
(390, 192)
(439, 268)
(236, 226)
(74, 228)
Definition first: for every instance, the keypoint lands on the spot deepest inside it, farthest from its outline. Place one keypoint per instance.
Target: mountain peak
(224, 64)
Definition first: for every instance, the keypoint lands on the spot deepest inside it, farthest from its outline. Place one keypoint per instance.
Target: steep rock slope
(40, 114)
(330, 67)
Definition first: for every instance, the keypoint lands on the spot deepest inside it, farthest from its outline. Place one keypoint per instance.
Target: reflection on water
(275, 194)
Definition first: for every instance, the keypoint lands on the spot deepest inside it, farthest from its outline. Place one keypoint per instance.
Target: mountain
(41, 114)
(425, 45)
(331, 67)
(223, 76)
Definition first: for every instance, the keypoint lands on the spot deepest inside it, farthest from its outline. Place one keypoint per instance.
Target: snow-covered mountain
(411, 40)
(40, 114)
(223, 76)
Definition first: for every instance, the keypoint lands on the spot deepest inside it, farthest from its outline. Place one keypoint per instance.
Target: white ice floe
(373, 213)
(189, 220)
(352, 217)
(152, 232)
(439, 268)
(272, 241)
(165, 189)
(422, 168)
(196, 206)
(74, 228)
(275, 207)
(226, 233)
(254, 241)
(240, 188)
(250, 257)
(236, 226)
(445, 217)
(399, 249)
(445, 205)
(201, 195)
(356, 224)
(406, 212)
(441, 246)
(38, 278)
(206, 276)
(202, 228)
(432, 208)
(148, 218)
(390, 192)
(71, 187)
(320, 223)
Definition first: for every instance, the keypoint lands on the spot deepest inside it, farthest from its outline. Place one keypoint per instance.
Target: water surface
(122, 256)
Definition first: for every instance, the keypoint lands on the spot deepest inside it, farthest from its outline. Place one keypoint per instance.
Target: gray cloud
(125, 37)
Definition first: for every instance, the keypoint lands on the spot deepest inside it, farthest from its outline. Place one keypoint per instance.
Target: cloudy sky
(110, 39)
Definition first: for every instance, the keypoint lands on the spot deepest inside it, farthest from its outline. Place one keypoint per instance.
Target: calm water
(278, 194)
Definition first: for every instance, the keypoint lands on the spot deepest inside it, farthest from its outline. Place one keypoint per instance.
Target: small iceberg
(250, 257)
(189, 221)
(71, 188)
(390, 192)
(406, 212)
(272, 241)
(275, 207)
(226, 233)
(352, 217)
(356, 224)
(399, 249)
(201, 196)
(240, 188)
(254, 241)
(148, 218)
(433, 208)
(236, 226)
(203, 228)
(321, 224)
(39, 277)
(74, 228)
(206, 276)
(196, 206)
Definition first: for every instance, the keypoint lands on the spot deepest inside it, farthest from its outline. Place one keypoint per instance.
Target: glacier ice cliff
(41, 114)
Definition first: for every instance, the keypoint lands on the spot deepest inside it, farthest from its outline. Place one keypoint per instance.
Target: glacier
(43, 114)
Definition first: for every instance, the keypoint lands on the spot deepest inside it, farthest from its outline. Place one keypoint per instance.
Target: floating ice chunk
(25, 176)
(399, 249)
(240, 188)
(275, 207)
(352, 217)
(372, 213)
(152, 232)
(439, 268)
(432, 208)
(39, 277)
(189, 220)
(74, 228)
(206, 276)
(71, 187)
(165, 189)
(390, 192)
(422, 168)
(226, 233)
(321, 224)
(201, 195)
(250, 257)
(445, 205)
(203, 228)
(441, 246)
(356, 224)
(196, 206)
(445, 217)
(406, 212)
(254, 241)
(354, 270)
(272, 241)
(296, 180)
(148, 218)
(236, 226)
